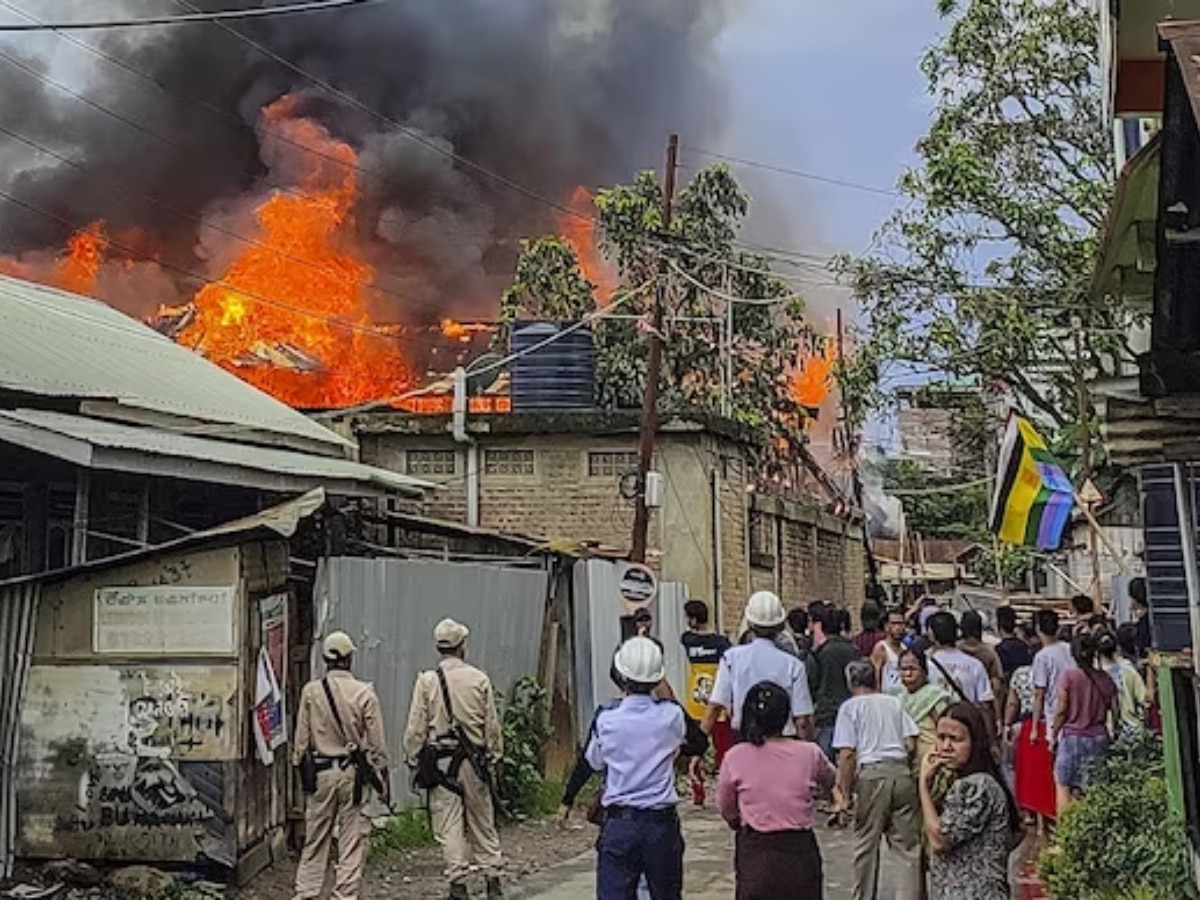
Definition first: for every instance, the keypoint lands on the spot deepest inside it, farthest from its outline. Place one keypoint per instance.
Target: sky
(833, 89)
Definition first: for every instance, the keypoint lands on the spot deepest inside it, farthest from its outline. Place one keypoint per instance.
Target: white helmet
(765, 610)
(640, 660)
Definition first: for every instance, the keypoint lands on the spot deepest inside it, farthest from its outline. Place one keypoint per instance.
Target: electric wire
(233, 289)
(797, 173)
(267, 12)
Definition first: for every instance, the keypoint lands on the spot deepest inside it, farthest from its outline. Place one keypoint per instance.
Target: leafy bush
(407, 829)
(522, 789)
(1119, 840)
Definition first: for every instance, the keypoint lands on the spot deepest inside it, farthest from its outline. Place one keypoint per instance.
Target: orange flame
(814, 375)
(77, 270)
(288, 315)
(580, 232)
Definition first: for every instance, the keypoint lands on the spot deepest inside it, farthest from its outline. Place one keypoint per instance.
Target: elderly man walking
(339, 731)
(875, 739)
(741, 668)
(454, 715)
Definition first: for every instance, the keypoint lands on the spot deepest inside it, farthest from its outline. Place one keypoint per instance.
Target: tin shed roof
(59, 345)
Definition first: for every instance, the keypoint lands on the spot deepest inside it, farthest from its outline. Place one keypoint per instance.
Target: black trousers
(635, 843)
(778, 865)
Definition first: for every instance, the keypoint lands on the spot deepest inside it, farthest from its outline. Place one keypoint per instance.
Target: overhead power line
(265, 12)
(797, 173)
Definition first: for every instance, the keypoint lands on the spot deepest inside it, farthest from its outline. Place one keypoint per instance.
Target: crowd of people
(922, 730)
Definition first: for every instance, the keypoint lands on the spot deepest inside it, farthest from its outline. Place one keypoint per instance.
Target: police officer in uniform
(741, 668)
(635, 744)
(337, 802)
(462, 810)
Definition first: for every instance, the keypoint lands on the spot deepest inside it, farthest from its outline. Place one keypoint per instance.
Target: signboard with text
(161, 619)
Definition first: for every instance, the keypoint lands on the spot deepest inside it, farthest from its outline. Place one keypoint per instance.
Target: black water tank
(557, 376)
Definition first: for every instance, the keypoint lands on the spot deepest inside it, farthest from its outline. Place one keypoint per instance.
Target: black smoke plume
(550, 93)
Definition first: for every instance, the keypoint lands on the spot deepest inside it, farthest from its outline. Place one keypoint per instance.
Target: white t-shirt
(741, 668)
(890, 683)
(1048, 666)
(969, 672)
(875, 727)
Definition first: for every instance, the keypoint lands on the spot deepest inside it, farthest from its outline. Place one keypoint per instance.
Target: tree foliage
(986, 267)
(936, 506)
(695, 262)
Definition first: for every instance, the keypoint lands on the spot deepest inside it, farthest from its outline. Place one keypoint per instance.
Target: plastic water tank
(557, 376)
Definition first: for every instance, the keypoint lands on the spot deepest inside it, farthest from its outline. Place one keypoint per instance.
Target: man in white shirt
(741, 668)
(961, 674)
(1048, 666)
(875, 739)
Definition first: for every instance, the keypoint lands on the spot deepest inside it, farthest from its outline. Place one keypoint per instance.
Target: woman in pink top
(765, 792)
(1088, 710)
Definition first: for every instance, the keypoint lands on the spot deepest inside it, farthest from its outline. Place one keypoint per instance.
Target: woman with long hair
(970, 829)
(766, 793)
(1087, 712)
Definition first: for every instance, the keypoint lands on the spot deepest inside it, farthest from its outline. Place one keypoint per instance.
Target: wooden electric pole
(649, 427)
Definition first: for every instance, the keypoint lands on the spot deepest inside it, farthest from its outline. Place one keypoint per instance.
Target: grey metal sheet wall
(18, 606)
(597, 612)
(389, 608)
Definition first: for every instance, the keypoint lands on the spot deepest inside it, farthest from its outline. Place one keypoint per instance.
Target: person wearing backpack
(339, 748)
(454, 742)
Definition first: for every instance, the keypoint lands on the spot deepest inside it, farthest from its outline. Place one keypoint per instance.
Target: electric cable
(264, 12)
(784, 170)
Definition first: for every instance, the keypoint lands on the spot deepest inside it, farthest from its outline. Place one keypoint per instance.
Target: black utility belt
(666, 814)
(325, 763)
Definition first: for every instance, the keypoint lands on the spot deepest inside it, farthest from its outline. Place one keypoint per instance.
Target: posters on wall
(270, 726)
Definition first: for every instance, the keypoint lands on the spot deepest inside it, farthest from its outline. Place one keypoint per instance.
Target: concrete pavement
(708, 865)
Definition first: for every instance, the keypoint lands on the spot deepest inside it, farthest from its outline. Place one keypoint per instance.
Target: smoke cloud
(551, 93)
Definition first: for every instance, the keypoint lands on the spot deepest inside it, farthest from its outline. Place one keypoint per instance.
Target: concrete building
(559, 476)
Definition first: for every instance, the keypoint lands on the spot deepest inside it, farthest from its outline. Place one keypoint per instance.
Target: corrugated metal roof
(95, 443)
(57, 344)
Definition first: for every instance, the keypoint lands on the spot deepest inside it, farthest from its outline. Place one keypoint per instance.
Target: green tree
(935, 506)
(985, 268)
(696, 262)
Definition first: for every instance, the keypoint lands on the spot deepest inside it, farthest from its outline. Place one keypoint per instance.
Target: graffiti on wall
(126, 761)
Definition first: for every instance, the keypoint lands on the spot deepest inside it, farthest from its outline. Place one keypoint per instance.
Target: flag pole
(1095, 525)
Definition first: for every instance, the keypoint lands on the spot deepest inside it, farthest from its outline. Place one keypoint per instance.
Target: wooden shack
(153, 723)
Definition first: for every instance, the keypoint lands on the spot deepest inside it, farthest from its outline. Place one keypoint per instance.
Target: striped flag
(1034, 498)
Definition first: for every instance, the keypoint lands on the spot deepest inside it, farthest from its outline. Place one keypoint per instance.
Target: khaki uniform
(460, 823)
(332, 807)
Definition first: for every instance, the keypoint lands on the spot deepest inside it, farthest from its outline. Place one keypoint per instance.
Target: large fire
(579, 230)
(289, 314)
(814, 374)
(288, 311)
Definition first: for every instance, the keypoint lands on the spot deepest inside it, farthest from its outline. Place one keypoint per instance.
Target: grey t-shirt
(1048, 667)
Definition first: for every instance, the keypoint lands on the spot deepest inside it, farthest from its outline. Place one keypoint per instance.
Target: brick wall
(809, 554)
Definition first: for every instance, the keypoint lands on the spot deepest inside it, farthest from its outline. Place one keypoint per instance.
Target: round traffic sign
(638, 585)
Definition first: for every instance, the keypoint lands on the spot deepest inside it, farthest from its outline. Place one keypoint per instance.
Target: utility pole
(649, 427)
(850, 446)
(1085, 465)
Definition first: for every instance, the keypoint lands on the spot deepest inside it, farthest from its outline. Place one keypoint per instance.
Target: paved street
(709, 866)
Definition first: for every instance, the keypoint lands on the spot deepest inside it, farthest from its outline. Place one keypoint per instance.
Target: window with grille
(508, 462)
(611, 464)
(431, 462)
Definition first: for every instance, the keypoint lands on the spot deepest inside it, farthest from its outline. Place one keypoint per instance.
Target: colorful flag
(1034, 498)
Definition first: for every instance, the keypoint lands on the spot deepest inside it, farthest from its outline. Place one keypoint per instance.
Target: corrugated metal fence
(389, 608)
(597, 633)
(18, 606)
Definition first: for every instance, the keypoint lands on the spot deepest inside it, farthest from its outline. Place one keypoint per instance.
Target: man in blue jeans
(635, 744)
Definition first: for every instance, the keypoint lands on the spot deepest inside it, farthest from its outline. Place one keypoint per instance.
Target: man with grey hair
(875, 739)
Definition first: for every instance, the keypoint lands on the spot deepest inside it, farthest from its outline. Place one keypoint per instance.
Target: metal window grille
(508, 462)
(611, 464)
(431, 462)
